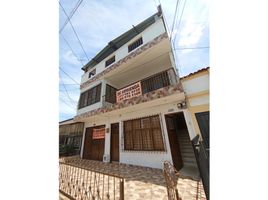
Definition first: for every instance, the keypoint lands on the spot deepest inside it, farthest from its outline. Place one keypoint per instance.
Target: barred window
(109, 61)
(135, 44)
(143, 134)
(90, 96)
(155, 82)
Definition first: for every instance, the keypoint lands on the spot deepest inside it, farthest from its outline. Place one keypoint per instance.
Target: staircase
(186, 148)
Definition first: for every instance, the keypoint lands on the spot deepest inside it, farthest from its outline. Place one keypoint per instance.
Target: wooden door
(93, 148)
(173, 141)
(115, 142)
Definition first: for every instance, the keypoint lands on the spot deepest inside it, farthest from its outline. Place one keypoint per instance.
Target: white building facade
(132, 101)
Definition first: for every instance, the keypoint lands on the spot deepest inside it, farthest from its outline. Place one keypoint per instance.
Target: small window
(109, 61)
(92, 73)
(135, 44)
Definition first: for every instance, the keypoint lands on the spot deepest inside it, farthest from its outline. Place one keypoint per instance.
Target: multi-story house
(132, 101)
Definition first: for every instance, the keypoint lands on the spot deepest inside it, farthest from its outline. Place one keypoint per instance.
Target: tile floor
(142, 183)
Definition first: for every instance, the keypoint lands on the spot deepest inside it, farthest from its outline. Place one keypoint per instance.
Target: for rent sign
(98, 133)
(129, 92)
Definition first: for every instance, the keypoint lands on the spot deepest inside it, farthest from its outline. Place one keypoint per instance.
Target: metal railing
(151, 83)
(79, 183)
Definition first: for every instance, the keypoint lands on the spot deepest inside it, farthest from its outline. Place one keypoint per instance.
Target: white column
(107, 144)
(189, 123)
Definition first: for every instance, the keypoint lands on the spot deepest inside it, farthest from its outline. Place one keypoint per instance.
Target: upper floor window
(109, 61)
(155, 82)
(110, 95)
(135, 44)
(92, 73)
(90, 96)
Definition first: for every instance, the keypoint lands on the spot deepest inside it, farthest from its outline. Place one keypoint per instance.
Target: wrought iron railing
(151, 83)
(83, 184)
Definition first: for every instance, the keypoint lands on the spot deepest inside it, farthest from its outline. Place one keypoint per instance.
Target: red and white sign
(129, 92)
(98, 133)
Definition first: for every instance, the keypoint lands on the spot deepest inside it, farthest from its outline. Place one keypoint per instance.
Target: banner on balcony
(98, 133)
(129, 92)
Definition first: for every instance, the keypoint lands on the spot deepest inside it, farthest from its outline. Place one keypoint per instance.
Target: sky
(96, 22)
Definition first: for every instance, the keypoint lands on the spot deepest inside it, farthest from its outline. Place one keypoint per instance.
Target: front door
(115, 142)
(93, 148)
(173, 141)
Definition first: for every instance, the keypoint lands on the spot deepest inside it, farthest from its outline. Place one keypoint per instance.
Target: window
(143, 134)
(110, 94)
(90, 96)
(135, 44)
(155, 82)
(92, 73)
(109, 61)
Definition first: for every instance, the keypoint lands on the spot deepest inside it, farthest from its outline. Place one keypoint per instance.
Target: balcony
(144, 86)
(154, 89)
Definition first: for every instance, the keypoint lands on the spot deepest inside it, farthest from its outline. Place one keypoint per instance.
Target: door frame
(168, 134)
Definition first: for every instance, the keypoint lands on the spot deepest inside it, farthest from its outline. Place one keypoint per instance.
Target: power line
(71, 49)
(71, 14)
(74, 31)
(69, 76)
(179, 21)
(174, 19)
(67, 104)
(71, 100)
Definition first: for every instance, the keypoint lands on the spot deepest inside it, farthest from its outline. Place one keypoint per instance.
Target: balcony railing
(149, 84)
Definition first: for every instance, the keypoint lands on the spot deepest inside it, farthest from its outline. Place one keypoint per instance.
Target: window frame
(135, 44)
(86, 98)
(138, 136)
(110, 61)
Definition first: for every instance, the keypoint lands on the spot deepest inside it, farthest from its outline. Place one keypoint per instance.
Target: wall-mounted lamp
(182, 105)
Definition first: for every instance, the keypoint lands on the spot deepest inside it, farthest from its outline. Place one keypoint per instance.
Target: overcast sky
(97, 22)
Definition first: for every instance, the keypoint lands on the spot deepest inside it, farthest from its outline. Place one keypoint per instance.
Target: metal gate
(201, 149)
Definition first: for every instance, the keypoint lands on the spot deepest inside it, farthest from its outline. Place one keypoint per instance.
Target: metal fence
(80, 183)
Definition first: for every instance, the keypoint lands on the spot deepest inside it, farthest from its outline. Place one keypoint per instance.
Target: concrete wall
(147, 35)
(153, 159)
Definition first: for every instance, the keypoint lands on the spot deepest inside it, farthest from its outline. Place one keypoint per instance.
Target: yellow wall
(197, 108)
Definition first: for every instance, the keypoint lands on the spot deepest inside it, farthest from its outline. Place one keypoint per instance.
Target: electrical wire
(71, 100)
(74, 31)
(69, 76)
(179, 22)
(174, 19)
(71, 14)
(67, 104)
(79, 59)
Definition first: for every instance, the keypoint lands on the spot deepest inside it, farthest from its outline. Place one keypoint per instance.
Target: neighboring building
(196, 87)
(70, 133)
(132, 101)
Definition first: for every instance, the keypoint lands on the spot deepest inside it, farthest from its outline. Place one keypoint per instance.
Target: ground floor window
(143, 134)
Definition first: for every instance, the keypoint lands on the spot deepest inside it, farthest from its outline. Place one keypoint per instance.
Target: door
(115, 142)
(202, 150)
(93, 148)
(173, 141)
